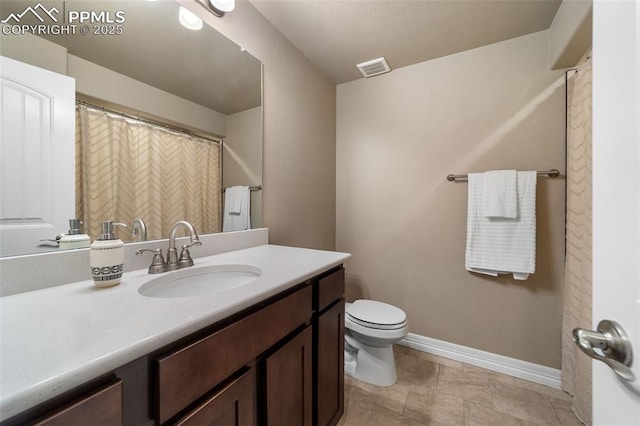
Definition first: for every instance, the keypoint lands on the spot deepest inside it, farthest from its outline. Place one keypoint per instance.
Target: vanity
(269, 351)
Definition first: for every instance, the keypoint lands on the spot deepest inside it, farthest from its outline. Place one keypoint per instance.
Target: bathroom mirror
(143, 40)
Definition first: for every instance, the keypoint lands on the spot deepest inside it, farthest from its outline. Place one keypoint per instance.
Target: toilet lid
(370, 313)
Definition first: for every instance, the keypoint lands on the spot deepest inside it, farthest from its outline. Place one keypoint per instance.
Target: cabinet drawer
(330, 288)
(188, 373)
(233, 405)
(102, 407)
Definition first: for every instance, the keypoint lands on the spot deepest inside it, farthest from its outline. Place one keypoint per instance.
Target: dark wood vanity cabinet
(293, 347)
(277, 363)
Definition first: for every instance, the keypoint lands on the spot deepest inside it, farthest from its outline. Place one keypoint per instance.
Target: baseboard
(502, 364)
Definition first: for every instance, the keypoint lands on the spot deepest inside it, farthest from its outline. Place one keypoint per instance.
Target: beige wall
(299, 131)
(398, 136)
(242, 156)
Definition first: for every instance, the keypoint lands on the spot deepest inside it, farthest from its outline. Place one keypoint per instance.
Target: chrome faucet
(173, 262)
(139, 228)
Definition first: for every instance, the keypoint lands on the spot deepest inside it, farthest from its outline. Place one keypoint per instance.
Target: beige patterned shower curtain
(576, 366)
(128, 169)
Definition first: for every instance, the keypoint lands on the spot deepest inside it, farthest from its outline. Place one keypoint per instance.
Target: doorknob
(612, 341)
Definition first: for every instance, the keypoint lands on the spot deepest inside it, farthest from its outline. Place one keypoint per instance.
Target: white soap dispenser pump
(107, 257)
(75, 238)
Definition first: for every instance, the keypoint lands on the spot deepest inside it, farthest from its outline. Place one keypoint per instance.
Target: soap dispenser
(107, 257)
(75, 238)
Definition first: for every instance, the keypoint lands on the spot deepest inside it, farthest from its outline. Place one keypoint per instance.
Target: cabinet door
(233, 405)
(330, 382)
(289, 382)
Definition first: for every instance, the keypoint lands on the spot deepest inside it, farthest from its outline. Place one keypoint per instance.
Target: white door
(616, 198)
(37, 156)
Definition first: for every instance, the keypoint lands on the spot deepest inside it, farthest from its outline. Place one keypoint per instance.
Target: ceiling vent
(374, 67)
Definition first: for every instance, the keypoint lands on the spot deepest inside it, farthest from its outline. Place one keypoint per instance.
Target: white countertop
(55, 339)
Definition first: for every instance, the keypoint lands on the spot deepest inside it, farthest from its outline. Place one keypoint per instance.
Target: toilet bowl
(371, 330)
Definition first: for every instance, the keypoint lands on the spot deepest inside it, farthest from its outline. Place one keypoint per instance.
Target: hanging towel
(500, 197)
(234, 197)
(237, 209)
(500, 245)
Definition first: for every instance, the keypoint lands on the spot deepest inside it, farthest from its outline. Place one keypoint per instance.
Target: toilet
(371, 329)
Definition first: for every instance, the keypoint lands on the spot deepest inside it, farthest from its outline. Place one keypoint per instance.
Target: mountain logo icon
(38, 11)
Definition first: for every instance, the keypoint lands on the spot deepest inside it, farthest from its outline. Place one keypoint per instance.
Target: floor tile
(357, 411)
(435, 409)
(390, 397)
(417, 370)
(564, 412)
(477, 415)
(524, 404)
(383, 417)
(468, 385)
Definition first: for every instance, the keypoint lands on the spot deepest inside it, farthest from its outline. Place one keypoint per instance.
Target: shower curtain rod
(550, 173)
(150, 122)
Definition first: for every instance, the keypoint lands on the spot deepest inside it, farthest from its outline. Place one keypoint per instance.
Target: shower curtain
(576, 367)
(128, 169)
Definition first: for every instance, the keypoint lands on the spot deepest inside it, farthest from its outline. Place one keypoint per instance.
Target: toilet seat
(376, 315)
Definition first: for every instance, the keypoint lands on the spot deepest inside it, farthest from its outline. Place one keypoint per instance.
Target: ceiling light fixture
(189, 20)
(219, 7)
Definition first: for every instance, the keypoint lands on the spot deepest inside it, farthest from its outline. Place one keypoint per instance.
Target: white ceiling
(335, 35)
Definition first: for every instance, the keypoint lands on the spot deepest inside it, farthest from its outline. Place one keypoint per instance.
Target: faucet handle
(185, 259)
(158, 264)
(190, 244)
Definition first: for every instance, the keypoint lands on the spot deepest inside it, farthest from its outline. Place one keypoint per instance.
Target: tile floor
(437, 391)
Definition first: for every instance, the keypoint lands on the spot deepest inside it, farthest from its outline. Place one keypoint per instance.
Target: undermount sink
(200, 281)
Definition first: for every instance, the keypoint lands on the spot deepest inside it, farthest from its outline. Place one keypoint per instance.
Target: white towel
(500, 245)
(234, 196)
(237, 209)
(500, 195)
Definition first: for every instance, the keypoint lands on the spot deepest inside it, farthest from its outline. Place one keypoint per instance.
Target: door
(616, 198)
(37, 145)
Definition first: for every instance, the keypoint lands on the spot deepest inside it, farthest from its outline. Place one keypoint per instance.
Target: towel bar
(251, 188)
(550, 173)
